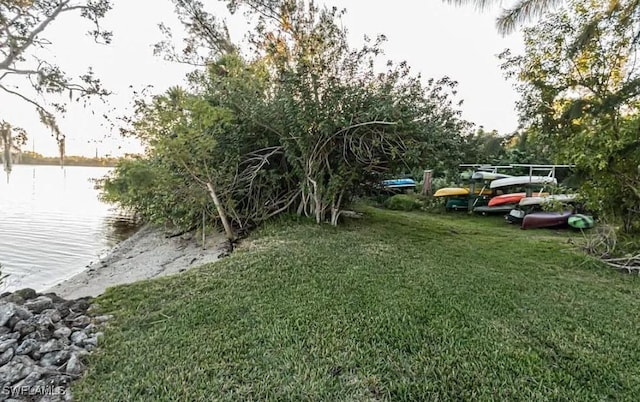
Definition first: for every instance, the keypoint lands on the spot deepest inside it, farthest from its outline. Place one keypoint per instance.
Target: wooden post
(426, 182)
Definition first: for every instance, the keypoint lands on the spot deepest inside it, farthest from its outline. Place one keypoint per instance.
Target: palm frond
(522, 12)
(479, 4)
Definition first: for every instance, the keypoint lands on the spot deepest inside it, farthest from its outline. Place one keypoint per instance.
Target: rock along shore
(43, 341)
(45, 337)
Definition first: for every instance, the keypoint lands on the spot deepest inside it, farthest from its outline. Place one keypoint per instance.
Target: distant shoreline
(34, 158)
(80, 164)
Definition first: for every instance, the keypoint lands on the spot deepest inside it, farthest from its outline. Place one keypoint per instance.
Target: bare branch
(16, 52)
(34, 103)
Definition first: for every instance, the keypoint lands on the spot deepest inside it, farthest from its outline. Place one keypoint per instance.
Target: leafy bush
(402, 202)
(432, 205)
(299, 126)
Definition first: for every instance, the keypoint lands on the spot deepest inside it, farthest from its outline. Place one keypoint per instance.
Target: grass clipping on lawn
(396, 306)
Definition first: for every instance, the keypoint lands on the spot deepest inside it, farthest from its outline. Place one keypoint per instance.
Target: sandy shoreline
(148, 254)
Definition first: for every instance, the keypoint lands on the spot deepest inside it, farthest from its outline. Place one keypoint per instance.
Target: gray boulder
(7, 310)
(49, 317)
(28, 382)
(63, 309)
(93, 341)
(41, 335)
(81, 321)
(6, 356)
(78, 338)
(12, 321)
(17, 369)
(54, 297)
(62, 333)
(74, 365)
(26, 293)
(39, 304)
(6, 344)
(25, 327)
(52, 345)
(10, 335)
(13, 298)
(55, 359)
(27, 347)
(23, 313)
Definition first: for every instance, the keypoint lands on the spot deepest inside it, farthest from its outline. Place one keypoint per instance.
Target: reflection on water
(52, 224)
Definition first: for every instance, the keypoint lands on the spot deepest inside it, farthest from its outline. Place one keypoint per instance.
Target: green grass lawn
(397, 306)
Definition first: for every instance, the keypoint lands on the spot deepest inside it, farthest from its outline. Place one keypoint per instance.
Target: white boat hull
(530, 201)
(522, 181)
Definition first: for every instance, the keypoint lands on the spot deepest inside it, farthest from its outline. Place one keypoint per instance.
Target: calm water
(52, 224)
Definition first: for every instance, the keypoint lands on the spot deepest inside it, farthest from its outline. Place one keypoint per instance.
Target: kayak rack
(484, 167)
(550, 171)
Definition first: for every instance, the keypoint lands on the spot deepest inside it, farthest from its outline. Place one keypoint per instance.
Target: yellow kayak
(459, 191)
(451, 191)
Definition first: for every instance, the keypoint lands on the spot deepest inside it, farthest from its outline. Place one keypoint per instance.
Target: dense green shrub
(402, 202)
(301, 126)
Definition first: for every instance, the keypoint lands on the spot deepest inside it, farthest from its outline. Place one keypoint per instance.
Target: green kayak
(579, 221)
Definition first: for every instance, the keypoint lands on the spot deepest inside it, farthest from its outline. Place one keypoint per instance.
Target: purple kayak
(545, 219)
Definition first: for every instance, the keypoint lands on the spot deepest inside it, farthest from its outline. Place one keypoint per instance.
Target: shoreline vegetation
(272, 138)
(393, 306)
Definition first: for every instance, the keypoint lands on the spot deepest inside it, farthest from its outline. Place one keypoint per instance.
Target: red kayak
(506, 199)
(546, 219)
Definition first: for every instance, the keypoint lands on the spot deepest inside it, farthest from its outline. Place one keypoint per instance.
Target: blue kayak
(399, 183)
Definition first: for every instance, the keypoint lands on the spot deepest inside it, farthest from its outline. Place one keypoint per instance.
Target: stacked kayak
(511, 196)
(457, 203)
(523, 181)
(546, 219)
(459, 191)
(557, 219)
(503, 204)
(498, 209)
(487, 176)
(452, 192)
(399, 184)
(458, 197)
(500, 204)
(515, 216)
(579, 221)
(545, 199)
(506, 199)
(530, 206)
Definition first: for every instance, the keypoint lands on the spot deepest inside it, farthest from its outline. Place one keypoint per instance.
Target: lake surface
(52, 224)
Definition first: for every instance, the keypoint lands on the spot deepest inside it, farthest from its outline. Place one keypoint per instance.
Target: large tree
(584, 103)
(27, 70)
(523, 11)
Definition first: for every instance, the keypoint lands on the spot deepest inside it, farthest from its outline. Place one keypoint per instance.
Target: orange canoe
(506, 199)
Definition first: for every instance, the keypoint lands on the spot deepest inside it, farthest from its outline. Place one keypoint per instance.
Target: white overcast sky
(435, 38)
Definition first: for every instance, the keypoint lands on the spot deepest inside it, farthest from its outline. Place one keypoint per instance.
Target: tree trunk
(223, 216)
(336, 209)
